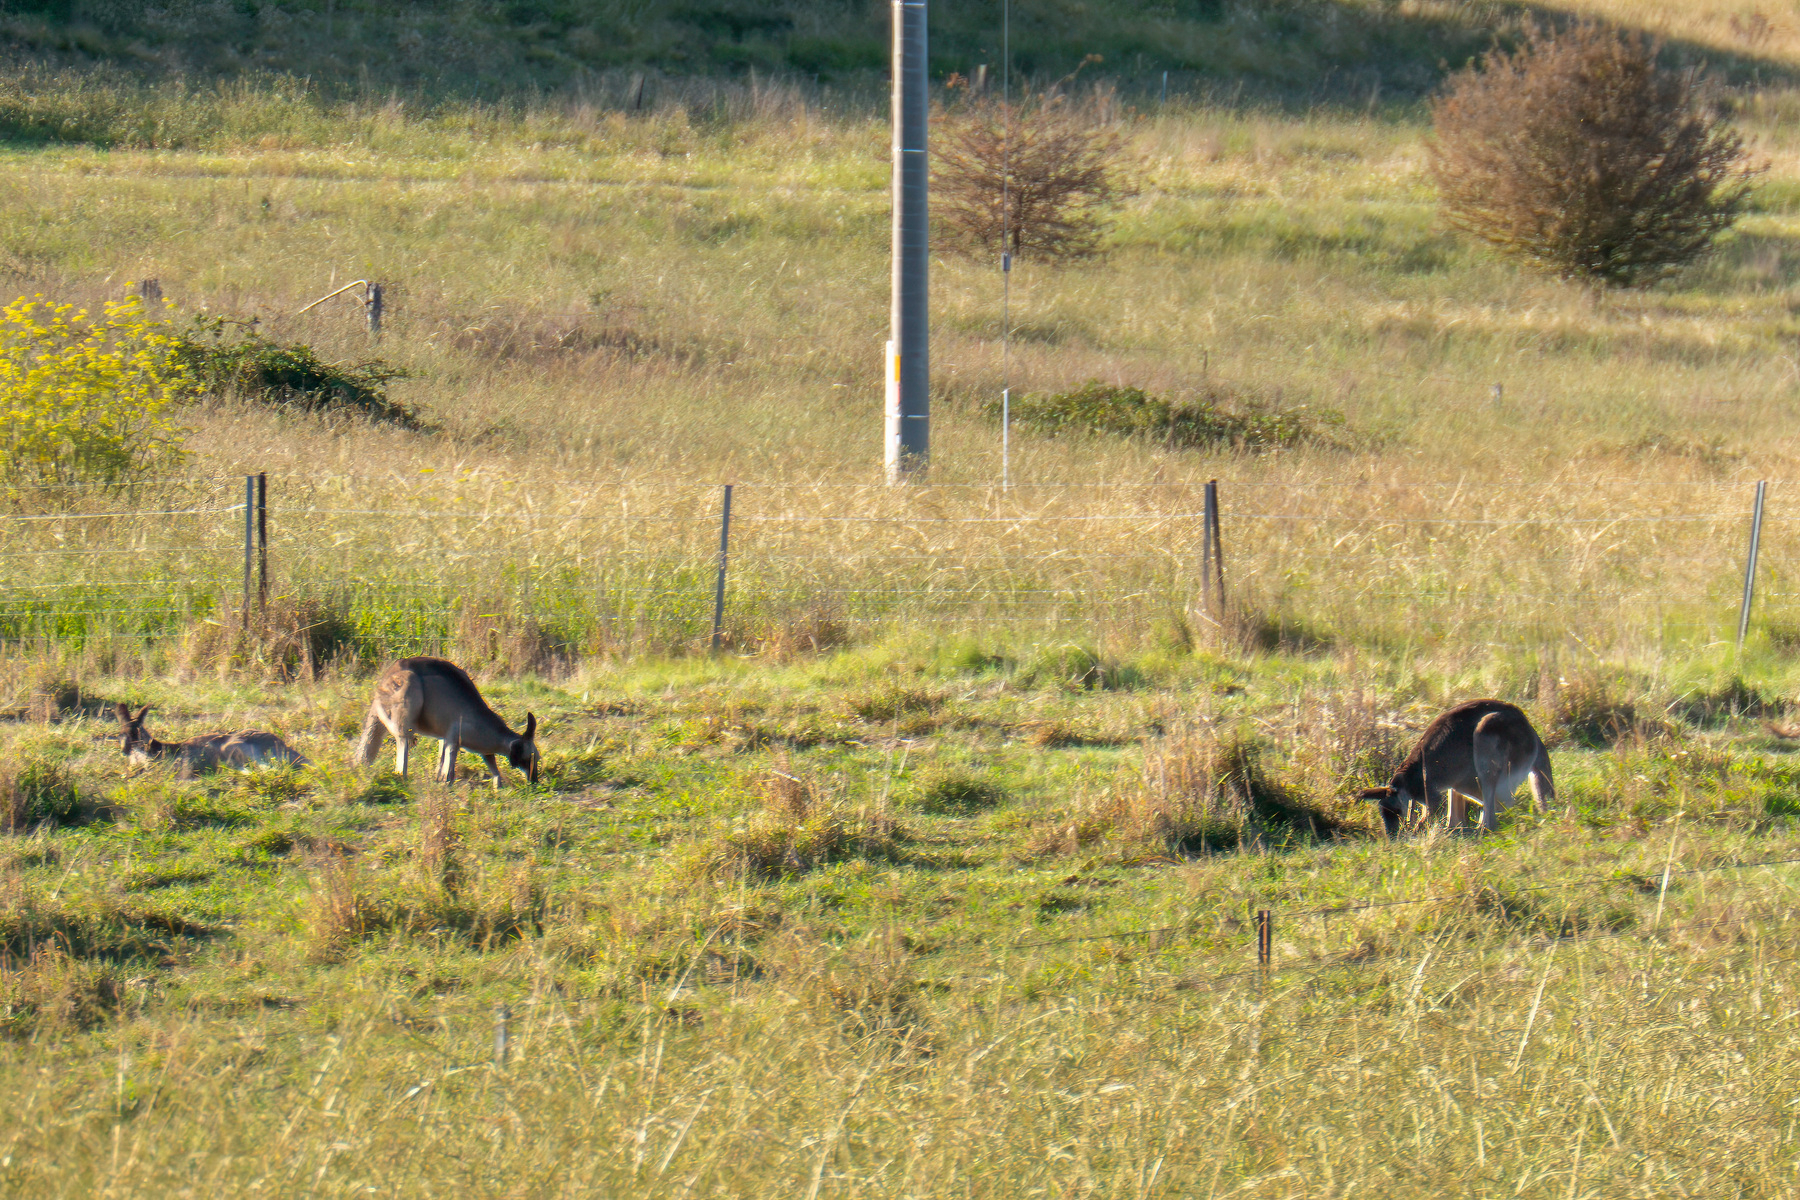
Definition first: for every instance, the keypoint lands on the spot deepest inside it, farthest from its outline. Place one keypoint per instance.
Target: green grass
(698, 928)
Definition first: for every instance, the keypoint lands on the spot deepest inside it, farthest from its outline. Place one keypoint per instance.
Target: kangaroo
(244, 749)
(435, 697)
(1482, 749)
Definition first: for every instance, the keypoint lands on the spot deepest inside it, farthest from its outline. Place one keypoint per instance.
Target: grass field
(940, 880)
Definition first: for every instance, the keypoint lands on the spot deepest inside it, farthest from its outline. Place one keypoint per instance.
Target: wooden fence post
(1212, 554)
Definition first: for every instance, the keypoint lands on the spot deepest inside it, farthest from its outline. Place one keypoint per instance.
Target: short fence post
(501, 1015)
(718, 628)
(1265, 939)
(249, 544)
(1212, 554)
(262, 542)
(1756, 520)
(372, 303)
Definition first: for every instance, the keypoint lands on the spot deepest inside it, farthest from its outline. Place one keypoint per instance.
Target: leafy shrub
(87, 395)
(292, 376)
(1579, 155)
(1201, 423)
(1038, 175)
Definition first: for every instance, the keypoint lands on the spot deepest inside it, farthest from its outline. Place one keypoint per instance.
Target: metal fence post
(249, 544)
(1265, 939)
(262, 542)
(718, 628)
(372, 303)
(1756, 519)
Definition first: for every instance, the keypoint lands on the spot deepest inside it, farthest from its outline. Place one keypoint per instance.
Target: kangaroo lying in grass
(1483, 749)
(435, 697)
(243, 749)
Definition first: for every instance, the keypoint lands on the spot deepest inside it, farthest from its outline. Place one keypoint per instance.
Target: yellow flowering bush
(84, 398)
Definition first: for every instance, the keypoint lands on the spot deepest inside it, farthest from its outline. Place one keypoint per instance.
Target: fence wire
(416, 564)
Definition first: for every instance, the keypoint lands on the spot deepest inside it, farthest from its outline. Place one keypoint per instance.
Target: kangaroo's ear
(123, 712)
(141, 713)
(530, 726)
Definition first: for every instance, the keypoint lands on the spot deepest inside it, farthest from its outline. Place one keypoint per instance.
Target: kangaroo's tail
(369, 743)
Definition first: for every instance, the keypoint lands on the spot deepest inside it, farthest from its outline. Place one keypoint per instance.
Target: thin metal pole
(1005, 244)
(1005, 437)
(718, 630)
(501, 1015)
(1265, 938)
(1756, 519)
(262, 542)
(249, 542)
(909, 363)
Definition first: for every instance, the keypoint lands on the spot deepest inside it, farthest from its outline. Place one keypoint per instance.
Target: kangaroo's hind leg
(448, 753)
(1543, 782)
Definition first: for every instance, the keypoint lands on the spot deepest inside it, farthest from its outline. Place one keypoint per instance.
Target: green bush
(290, 376)
(1204, 422)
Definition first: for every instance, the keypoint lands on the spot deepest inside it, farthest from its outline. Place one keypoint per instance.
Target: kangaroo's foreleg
(493, 769)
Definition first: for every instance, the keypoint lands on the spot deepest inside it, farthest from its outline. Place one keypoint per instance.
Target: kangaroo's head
(1396, 803)
(522, 753)
(135, 742)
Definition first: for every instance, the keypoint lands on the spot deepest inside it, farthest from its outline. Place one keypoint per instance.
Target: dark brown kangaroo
(1482, 750)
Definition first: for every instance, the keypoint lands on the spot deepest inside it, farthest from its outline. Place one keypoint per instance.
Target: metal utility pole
(909, 347)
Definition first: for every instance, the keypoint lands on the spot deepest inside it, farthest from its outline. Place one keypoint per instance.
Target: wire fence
(412, 565)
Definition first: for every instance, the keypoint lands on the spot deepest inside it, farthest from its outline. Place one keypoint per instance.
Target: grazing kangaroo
(244, 749)
(435, 697)
(1482, 749)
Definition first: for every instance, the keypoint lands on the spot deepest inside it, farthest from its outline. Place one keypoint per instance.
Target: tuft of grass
(341, 911)
(952, 792)
(796, 829)
(35, 789)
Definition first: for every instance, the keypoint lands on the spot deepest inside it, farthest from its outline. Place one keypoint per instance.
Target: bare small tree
(1037, 175)
(1577, 153)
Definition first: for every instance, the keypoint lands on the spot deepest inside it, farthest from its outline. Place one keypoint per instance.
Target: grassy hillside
(940, 881)
(1292, 51)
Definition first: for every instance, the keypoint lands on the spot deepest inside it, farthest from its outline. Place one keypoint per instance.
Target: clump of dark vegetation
(1587, 709)
(1211, 420)
(1580, 155)
(1729, 701)
(247, 365)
